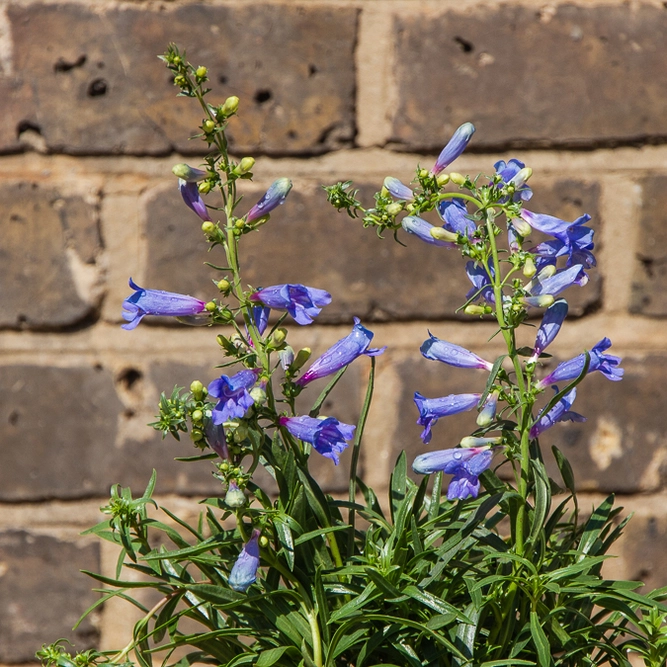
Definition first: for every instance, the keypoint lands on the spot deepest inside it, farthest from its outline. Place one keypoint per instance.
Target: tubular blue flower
(432, 409)
(234, 399)
(454, 214)
(261, 316)
(481, 283)
(465, 464)
(552, 321)
(271, 199)
(342, 353)
(215, 434)
(244, 572)
(187, 173)
(192, 199)
(301, 302)
(440, 350)
(156, 302)
(555, 283)
(607, 364)
(328, 436)
(455, 146)
(559, 413)
(508, 172)
(397, 189)
(421, 228)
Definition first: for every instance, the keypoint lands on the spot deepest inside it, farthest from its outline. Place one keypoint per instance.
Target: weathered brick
(531, 77)
(47, 238)
(649, 284)
(89, 81)
(43, 593)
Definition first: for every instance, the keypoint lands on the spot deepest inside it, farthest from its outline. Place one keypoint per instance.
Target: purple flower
(432, 409)
(481, 283)
(234, 399)
(552, 321)
(260, 315)
(555, 283)
(455, 146)
(342, 353)
(508, 172)
(244, 572)
(454, 355)
(215, 434)
(301, 302)
(607, 364)
(466, 464)
(192, 198)
(397, 189)
(559, 413)
(272, 198)
(156, 302)
(328, 436)
(455, 216)
(421, 228)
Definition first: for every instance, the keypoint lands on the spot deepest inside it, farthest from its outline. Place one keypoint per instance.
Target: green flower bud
(208, 126)
(472, 309)
(279, 336)
(188, 173)
(201, 72)
(394, 209)
(197, 415)
(529, 268)
(423, 173)
(211, 306)
(263, 541)
(301, 358)
(180, 80)
(457, 178)
(442, 234)
(240, 432)
(196, 435)
(205, 187)
(208, 227)
(239, 224)
(521, 226)
(258, 395)
(197, 389)
(234, 496)
(471, 441)
(442, 179)
(230, 106)
(246, 164)
(224, 286)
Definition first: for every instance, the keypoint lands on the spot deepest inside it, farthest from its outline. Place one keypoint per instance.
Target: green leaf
(594, 526)
(435, 603)
(540, 641)
(565, 469)
(270, 657)
(491, 379)
(542, 493)
(285, 538)
(398, 484)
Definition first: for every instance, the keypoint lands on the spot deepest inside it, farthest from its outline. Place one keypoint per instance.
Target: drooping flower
(554, 283)
(271, 199)
(607, 364)
(328, 436)
(552, 321)
(301, 302)
(559, 413)
(514, 172)
(157, 302)
(455, 146)
(244, 572)
(454, 214)
(234, 399)
(440, 350)
(342, 353)
(432, 409)
(398, 189)
(481, 283)
(466, 464)
(193, 199)
(422, 229)
(234, 497)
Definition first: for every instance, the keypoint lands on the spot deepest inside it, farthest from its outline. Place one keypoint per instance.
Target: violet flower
(342, 353)
(421, 228)
(554, 284)
(193, 199)
(234, 399)
(559, 413)
(301, 302)
(157, 302)
(271, 199)
(455, 146)
(481, 283)
(508, 172)
(244, 572)
(328, 436)
(260, 314)
(432, 409)
(454, 355)
(552, 321)
(215, 435)
(607, 364)
(466, 464)
(454, 214)
(397, 189)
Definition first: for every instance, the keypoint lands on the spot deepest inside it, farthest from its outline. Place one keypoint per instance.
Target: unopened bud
(488, 413)
(263, 541)
(180, 80)
(239, 224)
(188, 173)
(208, 227)
(258, 395)
(208, 126)
(423, 173)
(196, 435)
(286, 356)
(246, 164)
(442, 234)
(548, 271)
(521, 226)
(205, 187)
(542, 301)
(457, 178)
(201, 72)
(529, 268)
(197, 389)
(278, 336)
(472, 441)
(443, 179)
(394, 209)
(234, 496)
(301, 358)
(472, 309)
(224, 286)
(197, 415)
(521, 177)
(211, 306)
(230, 106)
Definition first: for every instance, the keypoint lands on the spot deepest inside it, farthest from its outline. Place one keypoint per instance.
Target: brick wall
(360, 88)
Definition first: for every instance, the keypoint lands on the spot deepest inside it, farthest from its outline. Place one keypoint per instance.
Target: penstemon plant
(500, 570)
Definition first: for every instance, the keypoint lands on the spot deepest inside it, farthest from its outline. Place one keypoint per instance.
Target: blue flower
(554, 283)
(432, 409)
(455, 216)
(481, 283)
(455, 146)
(510, 172)
(398, 189)
(421, 228)
(466, 464)
(192, 198)
(440, 350)
(559, 413)
(607, 364)
(156, 302)
(328, 436)
(234, 399)
(215, 435)
(552, 321)
(301, 302)
(244, 572)
(260, 314)
(272, 198)
(342, 353)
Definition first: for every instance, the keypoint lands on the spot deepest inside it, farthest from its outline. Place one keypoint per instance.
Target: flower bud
(258, 395)
(208, 126)
(208, 227)
(240, 432)
(442, 179)
(263, 541)
(548, 271)
(211, 306)
(278, 337)
(188, 173)
(423, 173)
(301, 358)
(521, 177)
(394, 209)
(197, 389)
(197, 415)
(273, 197)
(521, 226)
(205, 187)
(472, 441)
(230, 106)
(529, 268)
(442, 234)
(286, 356)
(472, 309)
(201, 72)
(224, 286)
(246, 164)
(196, 435)
(488, 413)
(458, 179)
(542, 301)
(234, 496)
